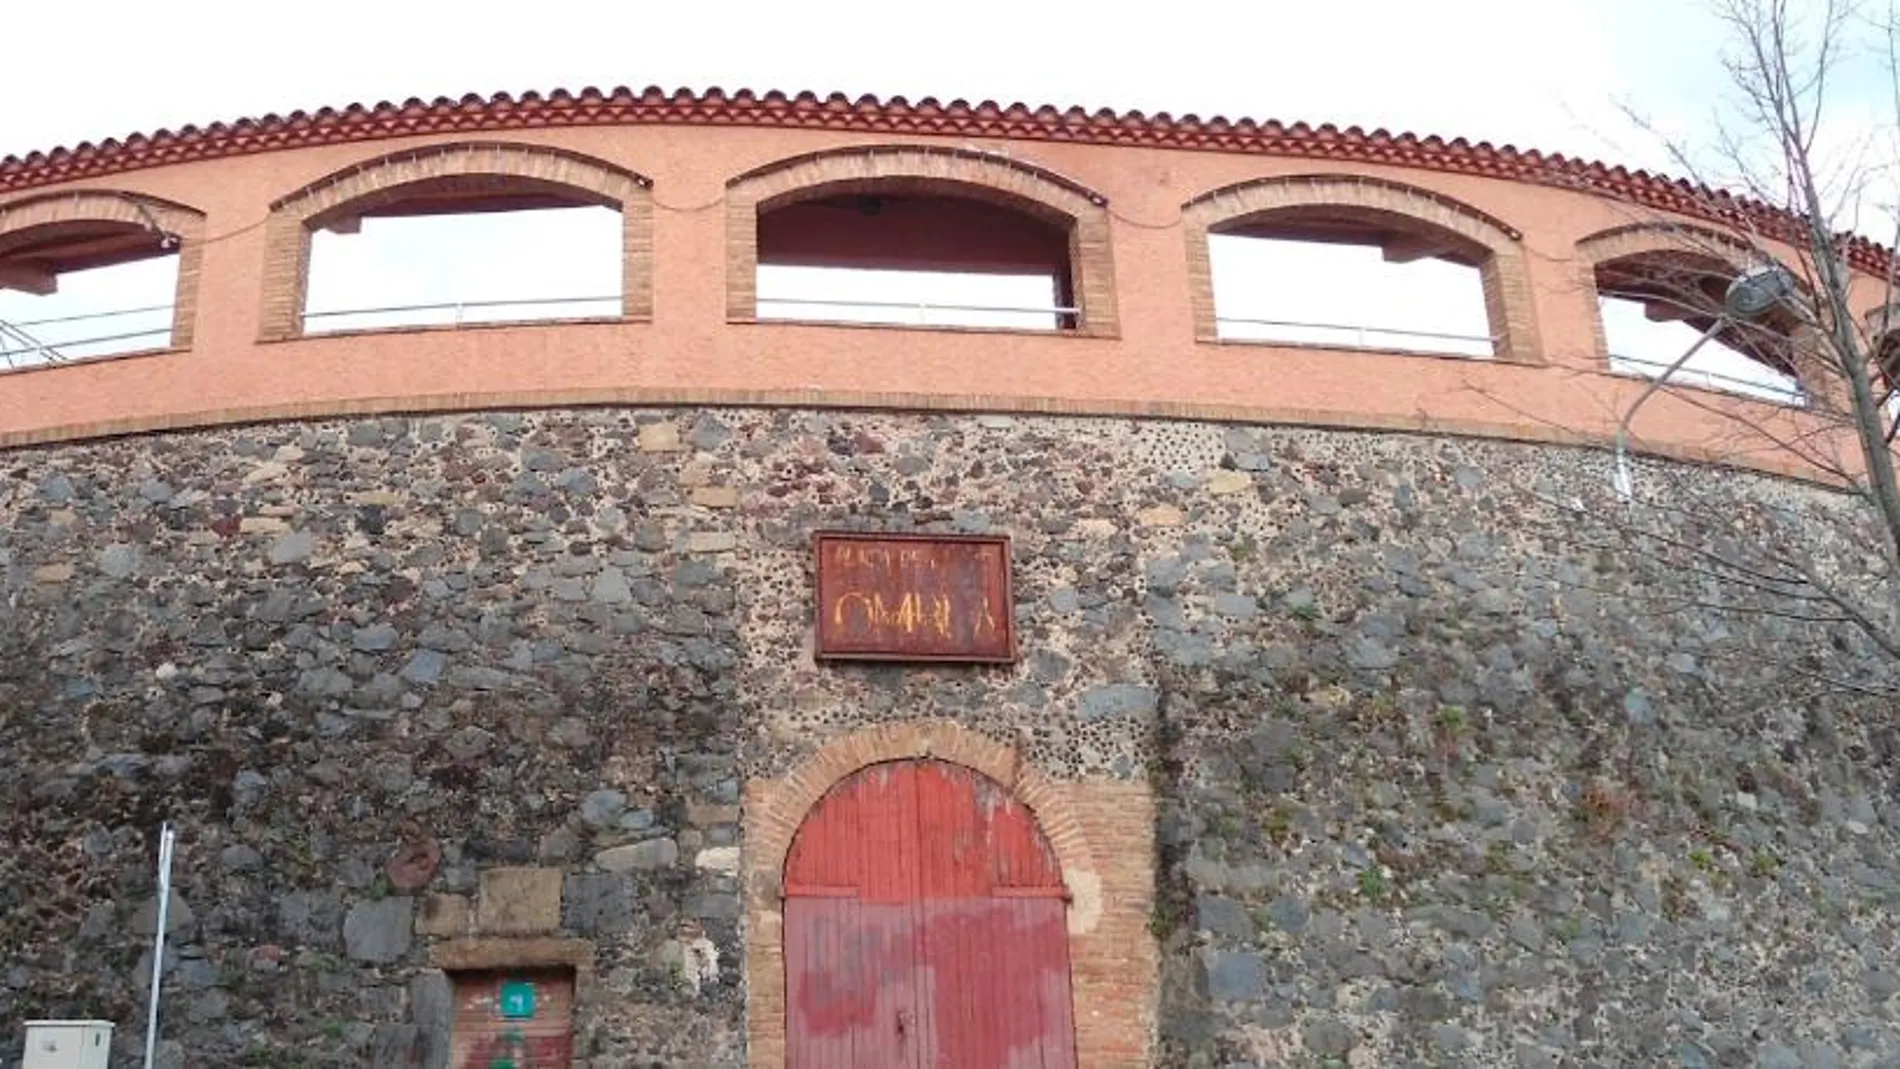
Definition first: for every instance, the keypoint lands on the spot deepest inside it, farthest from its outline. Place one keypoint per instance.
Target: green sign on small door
(517, 999)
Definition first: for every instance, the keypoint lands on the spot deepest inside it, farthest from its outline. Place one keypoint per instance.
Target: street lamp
(1750, 295)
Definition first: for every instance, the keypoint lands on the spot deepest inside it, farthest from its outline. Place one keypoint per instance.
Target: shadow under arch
(985, 177)
(46, 232)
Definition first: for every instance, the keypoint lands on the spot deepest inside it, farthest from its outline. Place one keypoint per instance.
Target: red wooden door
(925, 928)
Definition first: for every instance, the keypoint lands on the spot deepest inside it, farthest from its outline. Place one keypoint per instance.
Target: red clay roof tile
(929, 116)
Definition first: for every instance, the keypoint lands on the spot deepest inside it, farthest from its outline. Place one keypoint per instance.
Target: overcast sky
(1551, 74)
(1535, 72)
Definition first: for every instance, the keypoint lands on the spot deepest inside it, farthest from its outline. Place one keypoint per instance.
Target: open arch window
(1655, 304)
(93, 274)
(1880, 328)
(903, 236)
(1356, 263)
(460, 234)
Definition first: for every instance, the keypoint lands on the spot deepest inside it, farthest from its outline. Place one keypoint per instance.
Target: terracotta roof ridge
(897, 114)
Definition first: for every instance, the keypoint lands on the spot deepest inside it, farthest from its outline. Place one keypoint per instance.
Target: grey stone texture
(1453, 771)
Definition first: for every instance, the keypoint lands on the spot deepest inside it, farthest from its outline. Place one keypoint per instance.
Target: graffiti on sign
(914, 597)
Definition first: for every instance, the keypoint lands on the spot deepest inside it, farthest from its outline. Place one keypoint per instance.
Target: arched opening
(898, 253)
(1880, 329)
(1355, 262)
(908, 235)
(1349, 278)
(93, 274)
(1656, 304)
(457, 235)
(925, 926)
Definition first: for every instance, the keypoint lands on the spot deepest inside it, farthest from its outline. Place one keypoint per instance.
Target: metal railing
(22, 348)
(1786, 392)
(1363, 335)
(459, 310)
(1059, 316)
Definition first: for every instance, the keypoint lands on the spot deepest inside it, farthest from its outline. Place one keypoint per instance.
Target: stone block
(660, 438)
(1235, 977)
(442, 916)
(716, 497)
(711, 542)
(1160, 516)
(1228, 482)
(378, 931)
(521, 901)
(599, 904)
(652, 854)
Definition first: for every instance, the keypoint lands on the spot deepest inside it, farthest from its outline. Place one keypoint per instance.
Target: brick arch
(1496, 245)
(31, 218)
(940, 740)
(383, 180)
(1654, 238)
(1112, 953)
(984, 176)
(1715, 249)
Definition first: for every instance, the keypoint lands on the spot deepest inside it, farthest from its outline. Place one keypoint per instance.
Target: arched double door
(925, 928)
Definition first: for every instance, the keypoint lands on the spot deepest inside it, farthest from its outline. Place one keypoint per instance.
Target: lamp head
(1758, 290)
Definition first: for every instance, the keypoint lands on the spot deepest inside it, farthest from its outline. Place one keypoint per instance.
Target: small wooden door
(925, 928)
(520, 1019)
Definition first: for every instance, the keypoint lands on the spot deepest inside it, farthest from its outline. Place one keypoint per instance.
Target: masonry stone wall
(1447, 769)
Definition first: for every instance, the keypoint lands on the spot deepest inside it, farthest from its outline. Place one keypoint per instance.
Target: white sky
(1550, 74)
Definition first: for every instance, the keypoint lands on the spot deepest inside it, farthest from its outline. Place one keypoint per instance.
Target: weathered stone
(293, 547)
(602, 807)
(179, 917)
(1234, 976)
(599, 904)
(1223, 916)
(651, 854)
(519, 901)
(432, 1007)
(1228, 482)
(240, 858)
(716, 497)
(1289, 914)
(119, 561)
(1396, 785)
(660, 437)
(610, 587)
(1328, 1037)
(425, 667)
(711, 542)
(377, 931)
(442, 916)
(374, 639)
(713, 907)
(1119, 699)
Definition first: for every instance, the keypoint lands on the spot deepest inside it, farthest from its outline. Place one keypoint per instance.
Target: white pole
(165, 837)
(1621, 479)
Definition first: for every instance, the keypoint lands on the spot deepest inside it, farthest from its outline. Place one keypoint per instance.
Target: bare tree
(1833, 326)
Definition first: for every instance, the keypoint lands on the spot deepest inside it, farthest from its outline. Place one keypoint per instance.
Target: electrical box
(67, 1044)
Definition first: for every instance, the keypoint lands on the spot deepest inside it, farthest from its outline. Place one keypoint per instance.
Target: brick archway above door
(924, 927)
(1100, 831)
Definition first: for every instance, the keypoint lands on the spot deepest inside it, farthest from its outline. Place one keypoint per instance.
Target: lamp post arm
(1623, 480)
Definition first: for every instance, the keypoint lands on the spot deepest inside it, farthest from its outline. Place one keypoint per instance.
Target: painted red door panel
(925, 928)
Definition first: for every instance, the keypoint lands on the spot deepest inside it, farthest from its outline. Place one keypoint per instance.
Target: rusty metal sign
(884, 597)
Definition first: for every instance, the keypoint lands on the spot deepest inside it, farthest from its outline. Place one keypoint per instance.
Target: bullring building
(1094, 637)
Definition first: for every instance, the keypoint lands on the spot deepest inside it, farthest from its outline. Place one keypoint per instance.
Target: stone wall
(1451, 770)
